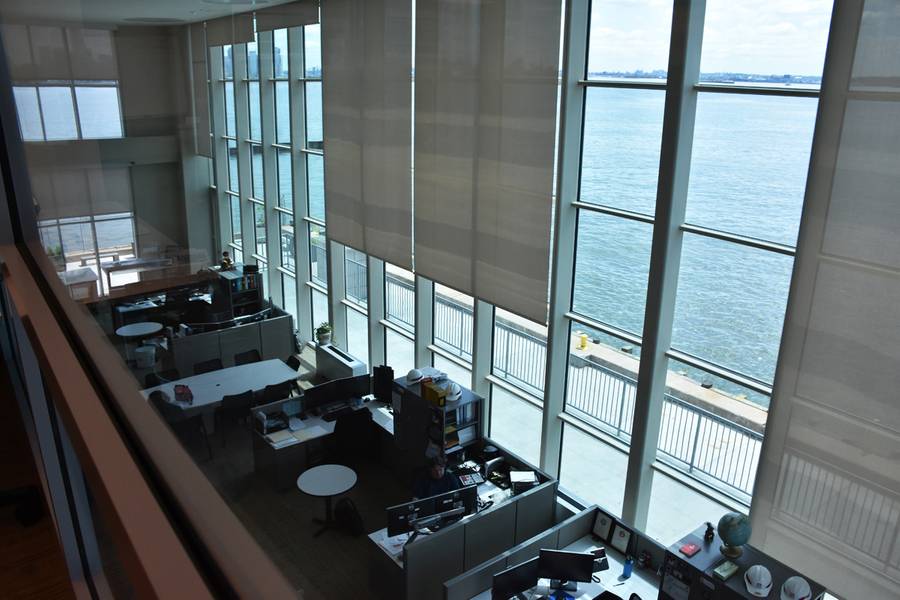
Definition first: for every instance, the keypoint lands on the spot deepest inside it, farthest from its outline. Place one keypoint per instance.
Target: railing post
(696, 440)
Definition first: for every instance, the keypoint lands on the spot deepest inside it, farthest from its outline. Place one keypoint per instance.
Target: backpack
(348, 518)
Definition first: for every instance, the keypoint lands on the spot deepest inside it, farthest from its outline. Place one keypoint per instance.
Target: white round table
(326, 481)
(136, 331)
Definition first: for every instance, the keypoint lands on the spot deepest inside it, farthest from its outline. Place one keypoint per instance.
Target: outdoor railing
(318, 263)
(356, 280)
(399, 301)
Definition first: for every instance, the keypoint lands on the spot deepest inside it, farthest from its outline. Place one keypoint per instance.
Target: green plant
(54, 250)
(324, 328)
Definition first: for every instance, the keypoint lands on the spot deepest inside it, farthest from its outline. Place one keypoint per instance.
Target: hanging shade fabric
(48, 52)
(486, 87)
(236, 29)
(367, 57)
(200, 87)
(293, 14)
(827, 498)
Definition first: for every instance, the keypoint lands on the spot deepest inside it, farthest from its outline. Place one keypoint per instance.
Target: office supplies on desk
(280, 438)
(294, 424)
(334, 415)
(309, 433)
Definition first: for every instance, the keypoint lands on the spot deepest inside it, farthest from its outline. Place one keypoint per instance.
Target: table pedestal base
(328, 522)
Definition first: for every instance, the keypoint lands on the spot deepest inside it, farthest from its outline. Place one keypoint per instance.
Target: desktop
(565, 569)
(433, 512)
(335, 391)
(515, 580)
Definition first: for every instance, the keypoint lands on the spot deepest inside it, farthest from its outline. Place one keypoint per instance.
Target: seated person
(435, 480)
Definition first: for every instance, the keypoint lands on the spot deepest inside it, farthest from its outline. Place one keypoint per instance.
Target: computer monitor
(515, 580)
(432, 511)
(464, 498)
(336, 390)
(402, 518)
(563, 568)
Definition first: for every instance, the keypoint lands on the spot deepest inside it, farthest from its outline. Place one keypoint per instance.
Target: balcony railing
(708, 446)
(356, 280)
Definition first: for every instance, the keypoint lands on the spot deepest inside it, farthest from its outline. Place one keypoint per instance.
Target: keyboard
(336, 414)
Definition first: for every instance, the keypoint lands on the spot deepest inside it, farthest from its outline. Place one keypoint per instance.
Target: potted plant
(323, 333)
(56, 255)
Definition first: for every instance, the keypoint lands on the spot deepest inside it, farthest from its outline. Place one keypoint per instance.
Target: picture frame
(603, 525)
(621, 538)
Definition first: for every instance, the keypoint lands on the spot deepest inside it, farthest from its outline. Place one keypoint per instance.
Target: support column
(270, 167)
(242, 132)
(375, 275)
(337, 312)
(482, 354)
(424, 320)
(305, 325)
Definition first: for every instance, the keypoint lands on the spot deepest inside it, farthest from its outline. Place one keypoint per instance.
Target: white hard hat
(758, 581)
(414, 375)
(795, 588)
(454, 392)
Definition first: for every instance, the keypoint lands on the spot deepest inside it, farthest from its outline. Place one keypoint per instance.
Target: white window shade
(367, 58)
(92, 54)
(827, 499)
(292, 14)
(486, 91)
(82, 192)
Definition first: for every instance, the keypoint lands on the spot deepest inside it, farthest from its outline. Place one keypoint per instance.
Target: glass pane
(357, 334)
(612, 265)
(400, 352)
(233, 183)
(629, 39)
(712, 429)
(259, 217)
(676, 510)
(453, 321)
(252, 60)
(280, 52)
(399, 297)
(228, 62)
(737, 183)
(285, 179)
(115, 241)
(750, 40)
(238, 256)
(282, 112)
(253, 102)
(312, 52)
(315, 176)
(287, 241)
(356, 276)
(98, 112)
(230, 126)
(520, 351)
(593, 470)
(235, 220)
(314, 115)
(620, 153)
(460, 375)
(319, 308)
(52, 244)
(317, 258)
(602, 381)
(256, 166)
(516, 424)
(59, 113)
(730, 304)
(29, 113)
(289, 296)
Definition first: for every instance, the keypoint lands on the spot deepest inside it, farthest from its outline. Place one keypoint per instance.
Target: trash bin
(145, 357)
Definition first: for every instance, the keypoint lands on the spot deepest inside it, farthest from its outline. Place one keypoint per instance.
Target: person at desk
(435, 480)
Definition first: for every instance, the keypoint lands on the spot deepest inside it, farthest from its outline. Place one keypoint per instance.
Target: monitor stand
(561, 585)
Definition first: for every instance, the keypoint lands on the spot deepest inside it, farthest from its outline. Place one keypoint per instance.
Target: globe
(734, 529)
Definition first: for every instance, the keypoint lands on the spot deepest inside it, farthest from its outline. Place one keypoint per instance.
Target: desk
(208, 388)
(136, 331)
(642, 583)
(82, 283)
(137, 265)
(326, 481)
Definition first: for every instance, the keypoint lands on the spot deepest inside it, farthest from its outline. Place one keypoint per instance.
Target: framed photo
(621, 539)
(603, 525)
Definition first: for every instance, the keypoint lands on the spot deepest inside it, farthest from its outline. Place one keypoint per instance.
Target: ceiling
(125, 12)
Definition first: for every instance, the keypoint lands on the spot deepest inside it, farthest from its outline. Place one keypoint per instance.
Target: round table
(326, 481)
(137, 331)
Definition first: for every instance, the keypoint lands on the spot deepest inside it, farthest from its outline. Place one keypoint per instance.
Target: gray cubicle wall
(233, 340)
(276, 337)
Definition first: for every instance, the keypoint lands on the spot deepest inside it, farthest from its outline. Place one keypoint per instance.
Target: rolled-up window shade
(367, 57)
(236, 29)
(18, 50)
(110, 190)
(200, 86)
(92, 54)
(49, 53)
(827, 497)
(293, 14)
(486, 86)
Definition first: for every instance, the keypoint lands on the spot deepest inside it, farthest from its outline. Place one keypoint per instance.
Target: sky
(740, 36)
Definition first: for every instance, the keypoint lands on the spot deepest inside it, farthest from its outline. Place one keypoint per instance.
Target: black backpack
(347, 516)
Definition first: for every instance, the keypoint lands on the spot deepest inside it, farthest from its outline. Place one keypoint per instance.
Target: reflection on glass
(737, 183)
(285, 179)
(314, 115)
(233, 183)
(356, 276)
(29, 113)
(317, 257)
(593, 470)
(612, 264)
(315, 181)
(230, 124)
(620, 153)
(288, 249)
(58, 112)
(98, 112)
(516, 424)
(400, 352)
(228, 62)
(312, 48)
(259, 217)
(280, 53)
(254, 107)
(282, 112)
(235, 220)
(730, 305)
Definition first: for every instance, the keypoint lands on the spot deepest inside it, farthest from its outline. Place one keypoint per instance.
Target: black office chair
(233, 409)
(354, 438)
(180, 423)
(207, 366)
(155, 379)
(245, 358)
(276, 392)
(293, 362)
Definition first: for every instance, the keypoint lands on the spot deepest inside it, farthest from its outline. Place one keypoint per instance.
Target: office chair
(245, 358)
(207, 366)
(354, 438)
(233, 409)
(155, 379)
(293, 362)
(178, 421)
(276, 392)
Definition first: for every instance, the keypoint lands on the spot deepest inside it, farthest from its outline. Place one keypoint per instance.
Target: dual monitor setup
(335, 395)
(432, 512)
(563, 569)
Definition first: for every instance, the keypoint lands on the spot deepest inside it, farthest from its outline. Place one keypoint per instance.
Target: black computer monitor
(465, 498)
(563, 568)
(336, 390)
(515, 580)
(402, 518)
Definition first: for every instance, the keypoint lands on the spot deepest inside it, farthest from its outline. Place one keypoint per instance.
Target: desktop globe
(734, 529)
